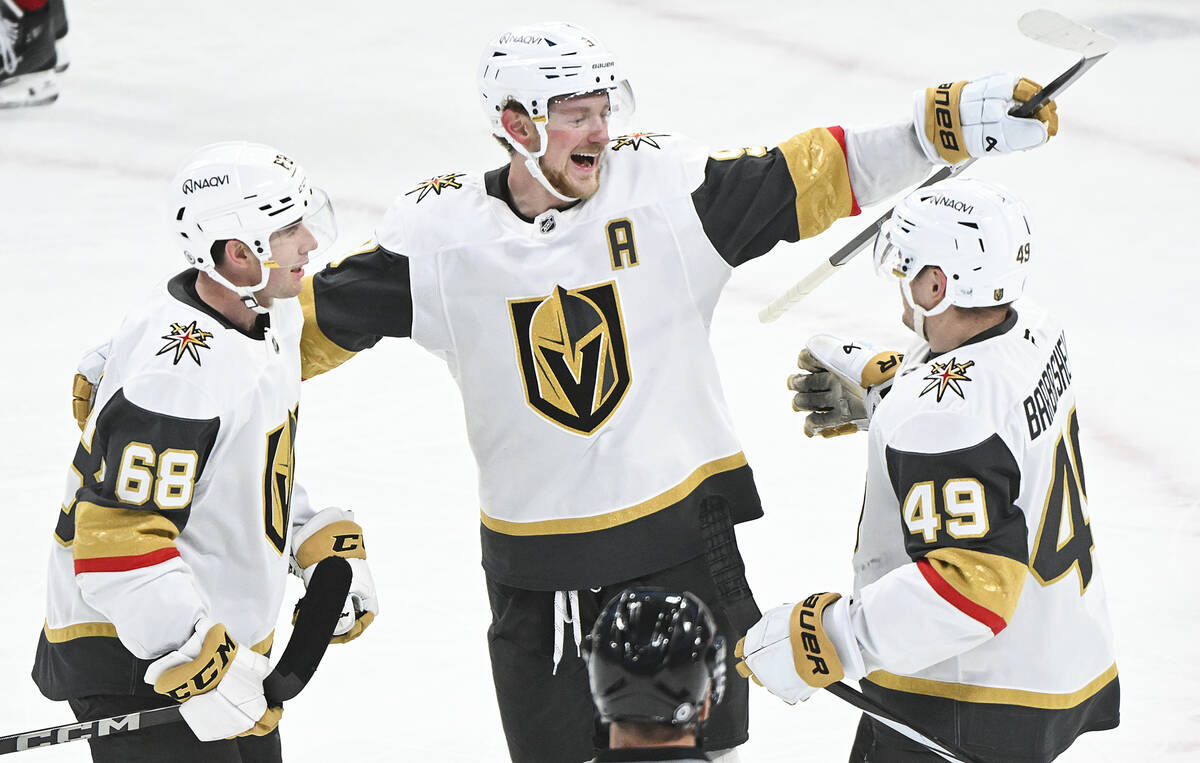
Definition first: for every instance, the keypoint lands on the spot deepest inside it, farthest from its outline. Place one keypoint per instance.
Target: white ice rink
(376, 95)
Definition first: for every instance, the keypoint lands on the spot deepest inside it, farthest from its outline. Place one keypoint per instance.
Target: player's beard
(560, 181)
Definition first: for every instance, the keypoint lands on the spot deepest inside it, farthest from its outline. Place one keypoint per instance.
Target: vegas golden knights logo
(574, 362)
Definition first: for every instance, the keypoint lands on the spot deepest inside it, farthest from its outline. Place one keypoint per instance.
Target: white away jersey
(579, 340)
(179, 499)
(975, 573)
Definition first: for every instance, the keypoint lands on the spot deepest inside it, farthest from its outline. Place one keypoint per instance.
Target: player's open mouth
(584, 161)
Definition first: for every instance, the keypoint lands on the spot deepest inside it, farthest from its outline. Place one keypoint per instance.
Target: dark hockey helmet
(654, 656)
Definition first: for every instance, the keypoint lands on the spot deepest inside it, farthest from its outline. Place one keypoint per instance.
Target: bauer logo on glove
(969, 118)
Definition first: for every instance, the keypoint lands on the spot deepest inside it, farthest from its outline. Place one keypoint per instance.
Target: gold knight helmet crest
(573, 355)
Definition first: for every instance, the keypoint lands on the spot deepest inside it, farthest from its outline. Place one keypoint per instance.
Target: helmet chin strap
(245, 293)
(920, 313)
(534, 166)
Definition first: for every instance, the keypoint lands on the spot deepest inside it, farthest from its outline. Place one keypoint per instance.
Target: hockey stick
(1041, 25)
(946, 749)
(318, 614)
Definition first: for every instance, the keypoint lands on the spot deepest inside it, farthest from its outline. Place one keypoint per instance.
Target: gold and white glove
(333, 532)
(83, 389)
(844, 382)
(970, 118)
(795, 650)
(219, 684)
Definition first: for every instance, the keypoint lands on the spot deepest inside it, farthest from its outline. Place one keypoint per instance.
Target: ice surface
(374, 96)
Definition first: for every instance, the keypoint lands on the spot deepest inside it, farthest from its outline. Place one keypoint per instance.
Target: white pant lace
(8, 52)
(566, 610)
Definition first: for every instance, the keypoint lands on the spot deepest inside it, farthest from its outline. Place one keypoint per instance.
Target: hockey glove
(333, 532)
(795, 650)
(219, 684)
(970, 118)
(845, 382)
(83, 391)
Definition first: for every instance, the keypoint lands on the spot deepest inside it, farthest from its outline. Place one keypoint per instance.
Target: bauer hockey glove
(795, 650)
(845, 382)
(333, 532)
(219, 684)
(83, 390)
(958, 120)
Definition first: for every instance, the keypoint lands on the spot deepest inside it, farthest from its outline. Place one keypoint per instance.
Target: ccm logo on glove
(223, 649)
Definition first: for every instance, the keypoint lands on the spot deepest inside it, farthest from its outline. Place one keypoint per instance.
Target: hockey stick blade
(318, 614)
(936, 744)
(1055, 29)
(1040, 25)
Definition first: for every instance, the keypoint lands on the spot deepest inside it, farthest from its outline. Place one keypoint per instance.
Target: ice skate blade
(37, 89)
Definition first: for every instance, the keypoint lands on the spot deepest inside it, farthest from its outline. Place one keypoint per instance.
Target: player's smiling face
(577, 134)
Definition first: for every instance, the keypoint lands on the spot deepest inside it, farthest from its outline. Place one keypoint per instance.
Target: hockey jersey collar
(495, 183)
(183, 288)
(1003, 327)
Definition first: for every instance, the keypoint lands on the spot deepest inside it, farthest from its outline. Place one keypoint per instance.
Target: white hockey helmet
(530, 65)
(244, 191)
(977, 233)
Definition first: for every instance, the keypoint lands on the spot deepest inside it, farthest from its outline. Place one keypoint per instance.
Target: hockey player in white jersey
(181, 517)
(570, 292)
(978, 606)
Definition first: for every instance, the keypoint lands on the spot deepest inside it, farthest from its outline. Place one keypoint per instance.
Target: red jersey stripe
(125, 563)
(840, 135)
(960, 602)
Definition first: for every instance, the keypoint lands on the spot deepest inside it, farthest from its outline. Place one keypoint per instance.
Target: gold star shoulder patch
(185, 339)
(947, 376)
(436, 185)
(637, 140)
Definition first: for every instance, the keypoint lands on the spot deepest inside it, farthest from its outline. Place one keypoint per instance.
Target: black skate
(27, 57)
(58, 8)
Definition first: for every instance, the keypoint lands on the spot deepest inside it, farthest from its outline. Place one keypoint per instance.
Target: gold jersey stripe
(102, 531)
(990, 695)
(108, 630)
(79, 630)
(621, 516)
(818, 168)
(991, 581)
(318, 353)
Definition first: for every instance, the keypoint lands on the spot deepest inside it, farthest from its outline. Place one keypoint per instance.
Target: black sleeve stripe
(363, 298)
(121, 423)
(747, 205)
(988, 463)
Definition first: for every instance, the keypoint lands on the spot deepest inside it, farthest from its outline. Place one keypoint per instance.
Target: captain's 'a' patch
(187, 340)
(572, 352)
(436, 185)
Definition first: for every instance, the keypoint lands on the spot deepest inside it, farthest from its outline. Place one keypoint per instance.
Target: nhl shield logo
(573, 356)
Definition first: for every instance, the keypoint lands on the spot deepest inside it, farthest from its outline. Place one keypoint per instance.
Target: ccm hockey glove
(958, 120)
(219, 684)
(795, 650)
(844, 383)
(83, 390)
(333, 532)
